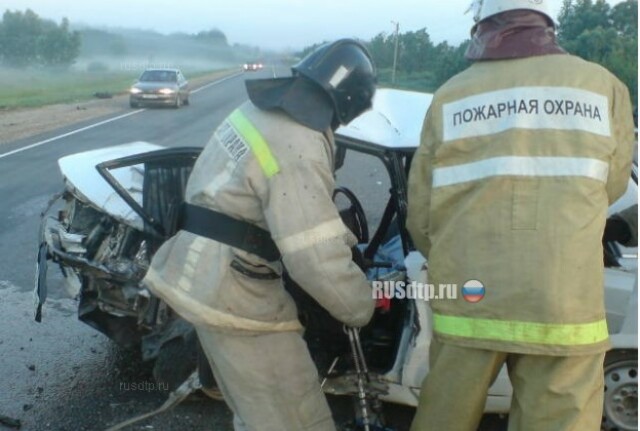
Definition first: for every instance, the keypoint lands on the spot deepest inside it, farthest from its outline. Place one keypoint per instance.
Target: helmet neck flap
(303, 100)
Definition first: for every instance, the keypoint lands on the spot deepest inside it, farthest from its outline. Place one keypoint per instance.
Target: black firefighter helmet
(345, 70)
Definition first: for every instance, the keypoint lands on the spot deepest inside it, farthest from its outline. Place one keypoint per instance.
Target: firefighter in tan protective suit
(520, 156)
(260, 199)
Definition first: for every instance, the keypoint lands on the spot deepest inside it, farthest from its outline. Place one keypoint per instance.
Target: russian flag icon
(473, 291)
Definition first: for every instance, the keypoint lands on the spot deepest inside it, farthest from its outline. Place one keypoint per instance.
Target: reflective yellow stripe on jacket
(555, 334)
(254, 139)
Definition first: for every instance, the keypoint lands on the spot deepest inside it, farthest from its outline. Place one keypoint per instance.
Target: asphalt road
(60, 374)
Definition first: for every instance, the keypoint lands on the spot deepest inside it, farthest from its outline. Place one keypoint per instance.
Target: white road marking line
(197, 90)
(73, 132)
(91, 126)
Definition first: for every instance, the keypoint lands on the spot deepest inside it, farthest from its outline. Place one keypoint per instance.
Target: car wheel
(133, 104)
(620, 391)
(186, 101)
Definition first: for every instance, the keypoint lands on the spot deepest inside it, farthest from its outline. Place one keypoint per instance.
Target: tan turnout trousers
(269, 381)
(550, 393)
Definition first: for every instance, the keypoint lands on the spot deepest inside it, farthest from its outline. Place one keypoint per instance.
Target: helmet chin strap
(475, 7)
(335, 123)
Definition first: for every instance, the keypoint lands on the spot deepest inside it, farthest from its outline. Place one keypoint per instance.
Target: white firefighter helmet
(483, 9)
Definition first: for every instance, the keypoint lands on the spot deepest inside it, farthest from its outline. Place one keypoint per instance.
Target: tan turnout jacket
(266, 169)
(518, 162)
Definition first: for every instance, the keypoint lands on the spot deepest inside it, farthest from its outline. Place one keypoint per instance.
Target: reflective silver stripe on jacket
(521, 166)
(551, 108)
(323, 232)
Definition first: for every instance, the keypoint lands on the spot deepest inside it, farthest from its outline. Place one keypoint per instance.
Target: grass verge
(31, 88)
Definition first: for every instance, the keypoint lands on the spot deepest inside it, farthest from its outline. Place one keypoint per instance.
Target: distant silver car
(160, 87)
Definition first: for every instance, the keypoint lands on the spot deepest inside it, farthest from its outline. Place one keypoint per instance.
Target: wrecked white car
(114, 212)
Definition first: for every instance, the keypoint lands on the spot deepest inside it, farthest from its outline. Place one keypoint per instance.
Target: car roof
(394, 121)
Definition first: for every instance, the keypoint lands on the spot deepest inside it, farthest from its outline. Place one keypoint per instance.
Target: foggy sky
(275, 24)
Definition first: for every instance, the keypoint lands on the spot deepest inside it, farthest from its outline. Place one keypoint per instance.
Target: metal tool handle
(358, 360)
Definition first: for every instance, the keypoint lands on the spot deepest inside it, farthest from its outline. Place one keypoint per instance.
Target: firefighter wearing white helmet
(520, 156)
(259, 199)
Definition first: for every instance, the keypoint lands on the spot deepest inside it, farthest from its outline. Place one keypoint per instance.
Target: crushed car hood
(82, 178)
(394, 121)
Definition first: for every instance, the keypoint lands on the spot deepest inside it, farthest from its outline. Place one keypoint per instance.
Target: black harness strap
(227, 230)
(377, 239)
